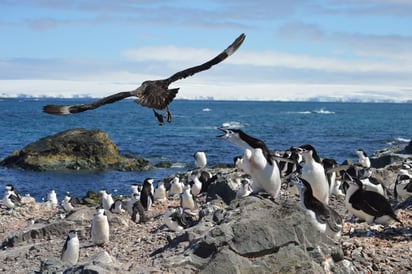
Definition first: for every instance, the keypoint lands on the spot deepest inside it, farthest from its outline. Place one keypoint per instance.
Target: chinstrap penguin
(367, 205)
(100, 231)
(314, 172)
(363, 160)
(160, 193)
(257, 161)
(245, 188)
(176, 186)
(135, 188)
(146, 196)
(322, 216)
(403, 186)
(200, 159)
(117, 207)
(178, 219)
(129, 204)
(138, 213)
(186, 199)
(13, 191)
(107, 200)
(67, 203)
(196, 184)
(70, 251)
(10, 200)
(52, 198)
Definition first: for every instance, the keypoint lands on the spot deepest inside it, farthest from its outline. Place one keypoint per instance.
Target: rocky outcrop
(257, 235)
(391, 155)
(74, 149)
(101, 263)
(408, 148)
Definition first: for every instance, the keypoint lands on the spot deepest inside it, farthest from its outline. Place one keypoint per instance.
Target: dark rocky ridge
(74, 149)
(390, 155)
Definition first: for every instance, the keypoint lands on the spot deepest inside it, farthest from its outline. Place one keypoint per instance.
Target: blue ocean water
(336, 130)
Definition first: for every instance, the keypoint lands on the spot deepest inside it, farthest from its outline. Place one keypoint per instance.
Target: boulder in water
(74, 149)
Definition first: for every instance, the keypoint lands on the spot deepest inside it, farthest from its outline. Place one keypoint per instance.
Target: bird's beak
(296, 149)
(226, 132)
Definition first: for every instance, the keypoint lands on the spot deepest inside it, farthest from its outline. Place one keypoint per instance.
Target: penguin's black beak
(297, 149)
(226, 131)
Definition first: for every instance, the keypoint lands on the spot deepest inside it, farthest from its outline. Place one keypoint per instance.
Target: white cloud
(269, 59)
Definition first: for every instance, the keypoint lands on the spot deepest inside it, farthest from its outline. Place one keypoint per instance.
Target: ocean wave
(178, 165)
(207, 109)
(299, 112)
(315, 111)
(322, 111)
(397, 141)
(402, 140)
(232, 124)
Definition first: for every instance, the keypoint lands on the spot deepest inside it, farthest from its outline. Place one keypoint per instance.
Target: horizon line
(202, 98)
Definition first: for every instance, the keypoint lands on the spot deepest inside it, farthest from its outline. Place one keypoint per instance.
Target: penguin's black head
(148, 181)
(362, 152)
(307, 149)
(9, 187)
(352, 180)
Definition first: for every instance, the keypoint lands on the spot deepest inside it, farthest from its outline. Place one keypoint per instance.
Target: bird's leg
(168, 115)
(159, 117)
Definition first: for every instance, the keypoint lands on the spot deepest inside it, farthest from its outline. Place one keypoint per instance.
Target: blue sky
(294, 50)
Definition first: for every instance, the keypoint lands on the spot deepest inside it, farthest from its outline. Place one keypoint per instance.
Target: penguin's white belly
(71, 254)
(268, 180)
(188, 202)
(318, 182)
(160, 194)
(173, 225)
(100, 231)
(264, 175)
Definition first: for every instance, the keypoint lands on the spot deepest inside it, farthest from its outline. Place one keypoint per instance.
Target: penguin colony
(261, 172)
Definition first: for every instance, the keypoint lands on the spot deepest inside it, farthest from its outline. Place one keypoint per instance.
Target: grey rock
(224, 186)
(393, 154)
(278, 238)
(39, 231)
(100, 263)
(226, 261)
(408, 148)
(53, 265)
(74, 149)
(386, 159)
(81, 215)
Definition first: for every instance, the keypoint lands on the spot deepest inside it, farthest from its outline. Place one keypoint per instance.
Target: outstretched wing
(69, 109)
(222, 56)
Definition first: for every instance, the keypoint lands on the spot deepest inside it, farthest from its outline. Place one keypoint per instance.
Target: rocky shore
(252, 234)
(248, 235)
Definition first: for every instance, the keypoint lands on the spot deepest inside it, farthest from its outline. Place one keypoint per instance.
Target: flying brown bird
(152, 94)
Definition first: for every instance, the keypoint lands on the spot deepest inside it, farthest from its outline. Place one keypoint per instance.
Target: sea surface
(336, 130)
